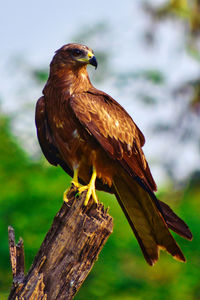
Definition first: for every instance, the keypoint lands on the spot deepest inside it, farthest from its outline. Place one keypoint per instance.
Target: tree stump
(66, 255)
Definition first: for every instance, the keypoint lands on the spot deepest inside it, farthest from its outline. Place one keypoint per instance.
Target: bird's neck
(68, 80)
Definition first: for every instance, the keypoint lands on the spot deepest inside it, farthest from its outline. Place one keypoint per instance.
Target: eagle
(95, 141)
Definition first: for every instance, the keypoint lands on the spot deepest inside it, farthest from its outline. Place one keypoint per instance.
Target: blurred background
(149, 61)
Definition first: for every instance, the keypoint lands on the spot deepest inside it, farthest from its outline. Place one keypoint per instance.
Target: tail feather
(145, 219)
(174, 222)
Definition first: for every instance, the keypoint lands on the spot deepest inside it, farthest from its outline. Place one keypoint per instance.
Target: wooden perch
(66, 255)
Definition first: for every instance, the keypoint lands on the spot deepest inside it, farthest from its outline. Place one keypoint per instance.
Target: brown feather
(44, 136)
(174, 222)
(145, 219)
(99, 115)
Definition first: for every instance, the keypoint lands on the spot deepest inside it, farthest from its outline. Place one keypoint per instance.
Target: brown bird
(94, 139)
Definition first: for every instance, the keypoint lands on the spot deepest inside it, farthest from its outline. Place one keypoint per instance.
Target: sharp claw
(94, 195)
(65, 199)
(74, 183)
(87, 198)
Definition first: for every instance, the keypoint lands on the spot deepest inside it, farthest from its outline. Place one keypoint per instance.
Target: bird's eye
(76, 52)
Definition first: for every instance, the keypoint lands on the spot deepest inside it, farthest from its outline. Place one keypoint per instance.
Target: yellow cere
(86, 59)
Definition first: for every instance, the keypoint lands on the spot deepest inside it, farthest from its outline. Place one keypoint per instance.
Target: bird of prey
(96, 142)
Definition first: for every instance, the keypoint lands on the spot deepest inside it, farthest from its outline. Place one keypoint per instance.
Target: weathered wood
(16, 257)
(67, 253)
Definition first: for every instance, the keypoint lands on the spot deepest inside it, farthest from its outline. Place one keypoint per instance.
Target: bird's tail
(149, 225)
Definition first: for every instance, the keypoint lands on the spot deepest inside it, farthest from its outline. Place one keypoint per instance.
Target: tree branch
(67, 253)
(16, 257)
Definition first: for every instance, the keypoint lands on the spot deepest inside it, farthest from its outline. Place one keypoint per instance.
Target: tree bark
(66, 255)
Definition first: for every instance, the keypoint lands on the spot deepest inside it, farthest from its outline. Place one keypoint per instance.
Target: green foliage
(31, 194)
(41, 75)
(185, 10)
(151, 75)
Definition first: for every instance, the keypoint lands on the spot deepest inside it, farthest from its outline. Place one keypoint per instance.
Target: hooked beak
(89, 59)
(93, 61)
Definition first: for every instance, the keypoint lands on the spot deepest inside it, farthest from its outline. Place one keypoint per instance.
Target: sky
(32, 30)
(37, 27)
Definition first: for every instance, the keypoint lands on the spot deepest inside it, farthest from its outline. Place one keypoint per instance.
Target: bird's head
(75, 56)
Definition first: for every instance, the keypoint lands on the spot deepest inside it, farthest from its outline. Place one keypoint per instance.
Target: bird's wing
(48, 144)
(46, 139)
(114, 129)
(43, 132)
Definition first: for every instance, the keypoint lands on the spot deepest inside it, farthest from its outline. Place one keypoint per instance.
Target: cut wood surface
(66, 255)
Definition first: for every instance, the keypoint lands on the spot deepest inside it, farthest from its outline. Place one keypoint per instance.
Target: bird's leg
(74, 182)
(90, 188)
(75, 178)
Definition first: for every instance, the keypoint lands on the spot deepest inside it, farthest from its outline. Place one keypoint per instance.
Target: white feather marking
(75, 133)
(71, 91)
(83, 76)
(129, 147)
(107, 114)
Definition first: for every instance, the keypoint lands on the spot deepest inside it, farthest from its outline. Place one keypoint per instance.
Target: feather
(174, 222)
(119, 142)
(145, 219)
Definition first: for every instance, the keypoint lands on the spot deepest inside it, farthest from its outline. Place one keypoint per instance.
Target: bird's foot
(90, 192)
(65, 199)
(75, 184)
(90, 187)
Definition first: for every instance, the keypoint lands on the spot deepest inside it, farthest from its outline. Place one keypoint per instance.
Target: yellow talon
(91, 189)
(65, 199)
(74, 182)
